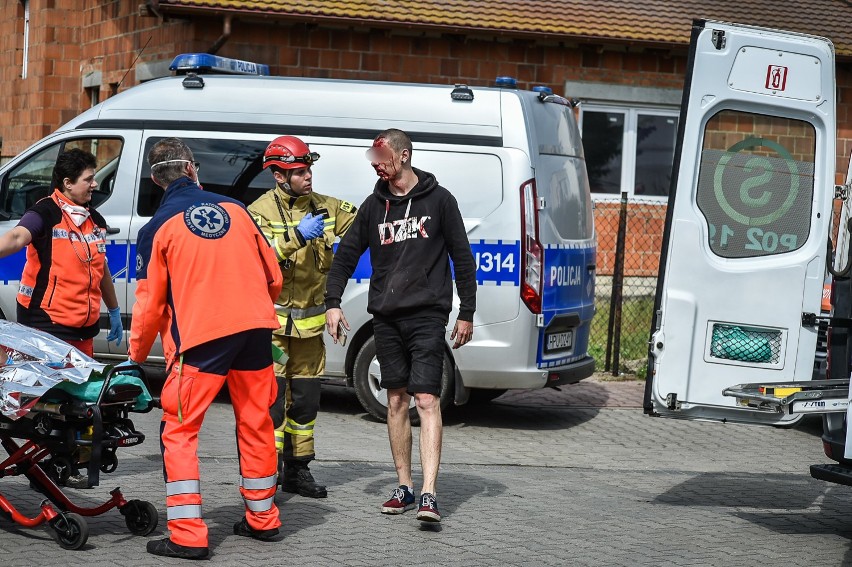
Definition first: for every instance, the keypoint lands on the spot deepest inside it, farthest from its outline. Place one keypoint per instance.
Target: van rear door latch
(813, 320)
(718, 39)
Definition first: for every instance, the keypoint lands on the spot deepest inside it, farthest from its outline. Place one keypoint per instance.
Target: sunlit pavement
(572, 477)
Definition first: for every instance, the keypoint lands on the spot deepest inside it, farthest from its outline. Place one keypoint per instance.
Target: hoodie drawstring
(387, 208)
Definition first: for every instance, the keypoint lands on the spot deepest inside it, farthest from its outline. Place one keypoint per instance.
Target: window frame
(629, 144)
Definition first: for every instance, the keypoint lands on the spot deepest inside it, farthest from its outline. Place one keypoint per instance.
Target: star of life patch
(207, 220)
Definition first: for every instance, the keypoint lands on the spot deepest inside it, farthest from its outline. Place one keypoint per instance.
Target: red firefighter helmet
(288, 152)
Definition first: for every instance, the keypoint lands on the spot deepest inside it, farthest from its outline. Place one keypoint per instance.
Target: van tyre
(374, 399)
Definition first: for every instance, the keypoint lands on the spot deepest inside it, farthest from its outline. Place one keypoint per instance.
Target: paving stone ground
(572, 477)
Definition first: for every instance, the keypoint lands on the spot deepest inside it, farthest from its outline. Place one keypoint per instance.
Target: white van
(513, 159)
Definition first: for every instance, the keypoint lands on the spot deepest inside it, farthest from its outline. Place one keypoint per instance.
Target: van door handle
(112, 230)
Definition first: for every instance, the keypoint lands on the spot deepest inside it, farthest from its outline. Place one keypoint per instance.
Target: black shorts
(411, 354)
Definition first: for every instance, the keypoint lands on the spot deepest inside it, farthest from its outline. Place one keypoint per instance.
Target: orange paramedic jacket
(204, 271)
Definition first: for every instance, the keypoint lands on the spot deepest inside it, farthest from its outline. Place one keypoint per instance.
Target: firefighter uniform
(206, 278)
(301, 310)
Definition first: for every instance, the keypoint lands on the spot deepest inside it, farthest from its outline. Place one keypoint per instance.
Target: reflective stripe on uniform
(258, 483)
(306, 313)
(310, 322)
(279, 252)
(299, 429)
(259, 505)
(183, 487)
(279, 440)
(183, 512)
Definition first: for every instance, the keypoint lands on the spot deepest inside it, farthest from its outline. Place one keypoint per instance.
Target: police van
(749, 242)
(512, 158)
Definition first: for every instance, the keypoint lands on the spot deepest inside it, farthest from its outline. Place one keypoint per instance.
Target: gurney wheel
(109, 462)
(70, 530)
(140, 516)
(59, 469)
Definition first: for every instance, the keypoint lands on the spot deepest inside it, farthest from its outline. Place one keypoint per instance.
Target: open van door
(744, 249)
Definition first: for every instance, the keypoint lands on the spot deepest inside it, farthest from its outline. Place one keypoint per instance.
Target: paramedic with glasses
(197, 250)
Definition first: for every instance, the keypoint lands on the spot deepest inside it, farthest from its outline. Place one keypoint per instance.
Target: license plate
(558, 341)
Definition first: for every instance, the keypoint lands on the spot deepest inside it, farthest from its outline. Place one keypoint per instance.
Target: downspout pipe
(226, 34)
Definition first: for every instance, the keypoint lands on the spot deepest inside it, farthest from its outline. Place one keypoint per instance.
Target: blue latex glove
(311, 227)
(133, 372)
(116, 330)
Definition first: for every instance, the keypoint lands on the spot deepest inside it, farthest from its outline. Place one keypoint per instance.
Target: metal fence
(630, 235)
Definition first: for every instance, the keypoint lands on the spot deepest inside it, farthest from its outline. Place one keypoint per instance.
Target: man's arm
(344, 217)
(284, 240)
(150, 309)
(458, 247)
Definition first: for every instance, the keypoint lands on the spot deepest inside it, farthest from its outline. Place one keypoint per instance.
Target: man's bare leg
(399, 433)
(431, 433)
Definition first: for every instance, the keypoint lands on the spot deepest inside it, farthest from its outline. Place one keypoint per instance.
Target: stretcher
(59, 410)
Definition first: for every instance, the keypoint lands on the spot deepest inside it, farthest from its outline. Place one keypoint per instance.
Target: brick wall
(643, 237)
(72, 39)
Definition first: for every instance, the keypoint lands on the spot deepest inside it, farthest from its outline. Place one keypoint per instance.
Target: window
(31, 180)
(756, 183)
(233, 167)
(629, 149)
(229, 167)
(94, 95)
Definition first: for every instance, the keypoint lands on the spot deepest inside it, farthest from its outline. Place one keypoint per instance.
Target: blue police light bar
(507, 82)
(207, 63)
(542, 89)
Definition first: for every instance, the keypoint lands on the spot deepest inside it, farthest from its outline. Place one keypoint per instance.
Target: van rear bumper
(571, 374)
(532, 379)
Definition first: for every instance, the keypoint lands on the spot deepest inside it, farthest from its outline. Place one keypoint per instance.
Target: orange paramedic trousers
(244, 361)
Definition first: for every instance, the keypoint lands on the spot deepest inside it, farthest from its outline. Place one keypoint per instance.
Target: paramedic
(412, 227)
(301, 226)
(66, 241)
(206, 278)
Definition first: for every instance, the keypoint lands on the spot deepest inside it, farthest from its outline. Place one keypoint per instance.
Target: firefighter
(206, 280)
(301, 226)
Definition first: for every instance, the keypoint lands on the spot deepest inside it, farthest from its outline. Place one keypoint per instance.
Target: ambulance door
(744, 250)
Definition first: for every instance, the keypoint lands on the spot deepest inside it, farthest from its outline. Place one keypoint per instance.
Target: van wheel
(374, 399)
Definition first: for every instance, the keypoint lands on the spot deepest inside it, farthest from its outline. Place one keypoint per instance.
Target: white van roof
(305, 106)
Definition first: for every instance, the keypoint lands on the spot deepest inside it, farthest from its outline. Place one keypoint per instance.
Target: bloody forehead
(380, 143)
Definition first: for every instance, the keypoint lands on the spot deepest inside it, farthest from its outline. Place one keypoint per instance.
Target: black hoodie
(410, 238)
